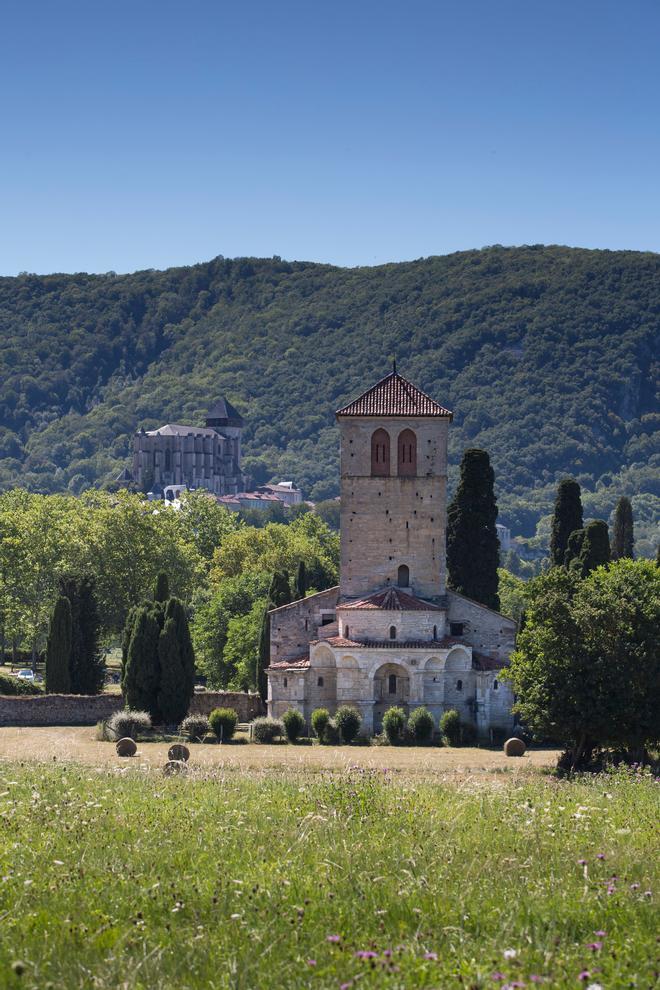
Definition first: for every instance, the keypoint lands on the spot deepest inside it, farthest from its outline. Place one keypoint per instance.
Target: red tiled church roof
(298, 663)
(430, 645)
(392, 600)
(394, 396)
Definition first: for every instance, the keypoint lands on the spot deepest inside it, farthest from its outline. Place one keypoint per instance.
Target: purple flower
(497, 977)
(333, 938)
(582, 862)
(600, 933)
(595, 946)
(433, 956)
(634, 886)
(311, 962)
(611, 890)
(584, 975)
(648, 893)
(600, 856)
(366, 954)
(387, 953)
(535, 979)
(345, 986)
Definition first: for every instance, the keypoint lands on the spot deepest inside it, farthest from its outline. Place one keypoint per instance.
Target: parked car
(27, 675)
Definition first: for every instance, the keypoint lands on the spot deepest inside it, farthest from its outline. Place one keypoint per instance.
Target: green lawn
(129, 880)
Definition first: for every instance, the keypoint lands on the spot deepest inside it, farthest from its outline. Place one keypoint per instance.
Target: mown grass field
(354, 878)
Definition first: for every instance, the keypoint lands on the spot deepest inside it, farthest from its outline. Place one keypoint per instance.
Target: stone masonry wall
(75, 709)
(389, 521)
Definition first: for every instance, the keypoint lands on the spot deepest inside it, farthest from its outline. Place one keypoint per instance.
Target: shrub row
(418, 728)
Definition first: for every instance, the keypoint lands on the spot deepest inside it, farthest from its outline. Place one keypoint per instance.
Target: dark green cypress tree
(87, 663)
(573, 547)
(126, 636)
(623, 537)
(162, 589)
(58, 649)
(566, 519)
(301, 581)
(472, 543)
(177, 664)
(141, 679)
(263, 656)
(279, 592)
(595, 547)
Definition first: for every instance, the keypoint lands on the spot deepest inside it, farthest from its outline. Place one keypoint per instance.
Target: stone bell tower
(393, 491)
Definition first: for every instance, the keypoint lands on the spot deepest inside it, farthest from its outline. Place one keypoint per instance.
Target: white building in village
(391, 633)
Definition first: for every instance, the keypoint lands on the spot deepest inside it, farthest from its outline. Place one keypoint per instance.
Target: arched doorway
(391, 690)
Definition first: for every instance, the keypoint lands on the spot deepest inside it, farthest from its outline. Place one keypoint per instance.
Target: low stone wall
(247, 706)
(76, 709)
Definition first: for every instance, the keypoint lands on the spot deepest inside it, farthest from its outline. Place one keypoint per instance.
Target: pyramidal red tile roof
(394, 396)
(392, 600)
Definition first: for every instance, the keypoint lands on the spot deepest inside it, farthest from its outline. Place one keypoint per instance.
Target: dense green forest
(545, 354)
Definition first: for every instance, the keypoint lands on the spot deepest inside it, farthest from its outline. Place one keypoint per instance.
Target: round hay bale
(178, 752)
(514, 747)
(126, 746)
(210, 738)
(174, 766)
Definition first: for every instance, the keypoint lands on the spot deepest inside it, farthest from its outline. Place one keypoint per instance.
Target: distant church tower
(393, 491)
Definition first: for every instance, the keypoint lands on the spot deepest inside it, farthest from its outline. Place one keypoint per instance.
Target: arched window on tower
(392, 632)
(403, 576)
(407, 454)
(380, 453)
(391, 684)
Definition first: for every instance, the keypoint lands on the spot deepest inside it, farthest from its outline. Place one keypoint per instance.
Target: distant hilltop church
(391, 633)
(190, 456)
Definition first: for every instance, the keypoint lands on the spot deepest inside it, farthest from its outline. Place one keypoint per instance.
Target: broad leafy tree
(586, 669)
(472, 543)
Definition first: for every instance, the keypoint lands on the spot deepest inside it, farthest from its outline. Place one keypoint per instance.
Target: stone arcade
(391, 633)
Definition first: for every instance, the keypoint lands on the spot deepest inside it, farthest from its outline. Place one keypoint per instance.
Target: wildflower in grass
(345, 986)
(509, 953)
(634, 886)
(600, 856)
(534, 978)
(611, 890)
(582, 862)
(433, 956)
(595, 986)
(366, 954)
(333, 938)
(595, 946)
(648, 893)
(497, 977)
(311, 962)
(584, 975)
(600, 933)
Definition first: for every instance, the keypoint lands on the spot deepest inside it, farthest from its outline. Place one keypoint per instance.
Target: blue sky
(141, 134)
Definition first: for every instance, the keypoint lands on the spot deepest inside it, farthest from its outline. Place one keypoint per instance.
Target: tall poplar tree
(58, 649)
(566, 519)
(623, 539)
(472, 543)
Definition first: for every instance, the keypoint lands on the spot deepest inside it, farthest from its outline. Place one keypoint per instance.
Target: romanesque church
(392, 633)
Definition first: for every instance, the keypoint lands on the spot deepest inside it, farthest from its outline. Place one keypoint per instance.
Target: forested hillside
(544, 354)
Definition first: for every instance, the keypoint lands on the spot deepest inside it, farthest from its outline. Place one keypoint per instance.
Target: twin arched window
(406, 454)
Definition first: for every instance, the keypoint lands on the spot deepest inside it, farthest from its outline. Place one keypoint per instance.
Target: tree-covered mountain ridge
(544, 354)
